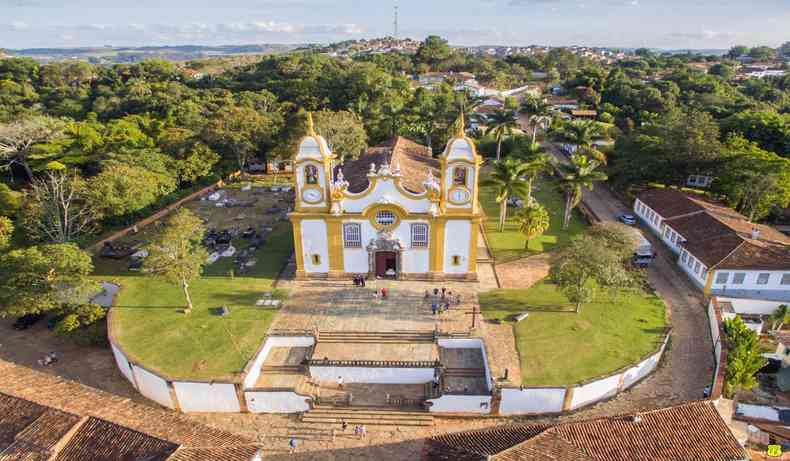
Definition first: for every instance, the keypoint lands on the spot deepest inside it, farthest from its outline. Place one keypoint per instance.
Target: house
(584, 114)
(35, 432)
(693, 431)
(560, 104)
(783, 347)
(395, 212)
(719, 249)
(766, 424)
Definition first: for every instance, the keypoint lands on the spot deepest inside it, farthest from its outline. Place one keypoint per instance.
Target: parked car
(26, 321)
(627, 218)
(642, 261)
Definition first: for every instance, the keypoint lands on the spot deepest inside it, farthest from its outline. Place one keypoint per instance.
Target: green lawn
(148, 324)
(509, 244)
(559, 347)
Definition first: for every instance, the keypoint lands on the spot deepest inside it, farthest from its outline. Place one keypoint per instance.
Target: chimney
(755, 233)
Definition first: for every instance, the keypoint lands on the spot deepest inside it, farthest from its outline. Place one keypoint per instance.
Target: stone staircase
(283, 369)
(333, 416)
(465, 372)
(382, 337)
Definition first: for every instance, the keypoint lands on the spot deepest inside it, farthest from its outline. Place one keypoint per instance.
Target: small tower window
(316, 260)
(456, 260)
(311, 174)
(459, 176)
(385, 218)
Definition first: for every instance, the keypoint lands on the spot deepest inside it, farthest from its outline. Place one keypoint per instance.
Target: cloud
(702, 35)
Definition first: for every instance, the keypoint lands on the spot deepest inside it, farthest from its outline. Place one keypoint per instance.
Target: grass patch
(509, 244)
(559, 347)
(148, 325)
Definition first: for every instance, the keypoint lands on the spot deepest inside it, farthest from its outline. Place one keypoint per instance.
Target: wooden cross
(473, 314)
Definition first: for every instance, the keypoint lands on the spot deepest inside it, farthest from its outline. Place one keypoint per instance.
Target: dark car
(26, 321)
(627, 218)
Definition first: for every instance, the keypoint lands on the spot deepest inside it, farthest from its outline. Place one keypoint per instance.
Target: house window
(785, 279)
(385, 218)
(456, 260)
(762, 278)
(738, 278)
(722, 277)
(352, 235)
(419, 235)
(696, 267)
(316, 260)
(459, 176)
(311, 174)
(684, 257)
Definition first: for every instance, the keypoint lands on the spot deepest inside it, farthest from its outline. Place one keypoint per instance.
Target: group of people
(360, 431)
(359, 280)
(441, 304)
(49, 359)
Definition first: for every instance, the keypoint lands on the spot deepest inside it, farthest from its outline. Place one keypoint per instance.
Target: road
(689, 365)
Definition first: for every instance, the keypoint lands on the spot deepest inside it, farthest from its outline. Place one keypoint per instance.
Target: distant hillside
(114, 55)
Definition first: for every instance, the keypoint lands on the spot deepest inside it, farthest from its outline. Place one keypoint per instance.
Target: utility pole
(395, 21)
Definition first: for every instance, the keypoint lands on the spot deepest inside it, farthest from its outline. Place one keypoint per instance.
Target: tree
(432, 51)
(586, 263)
(57, 209)
(725, 71)
(121, 189)
(581, 132)
(780, 316)
(79, 316)
(18, 138)
(508, 177)
(501, 123)
(241, 132)
(344, 133)
(743, 357)
(532, 220)
(536, 161)
(762, 53)
(737, 51)
(6, 231)
(44, 277)
(578, 175)
(10, 201)
(176, 254)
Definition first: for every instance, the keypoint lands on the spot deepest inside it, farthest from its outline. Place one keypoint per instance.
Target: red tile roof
(719, 236)
(99, 440)
(692, 431)
(414, 160)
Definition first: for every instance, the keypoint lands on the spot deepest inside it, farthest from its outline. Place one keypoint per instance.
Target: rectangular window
(316, 260)
(738, 278)
(352, 235)
(785, 279)
(684, 257)
(722, 277)
(419, 235)
(696, 267)
(762, 278)
(456, 260)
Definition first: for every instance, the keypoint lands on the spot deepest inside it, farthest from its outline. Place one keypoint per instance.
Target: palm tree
(533, 220)
(578, 175)
(537, 161)
(501, 123)
(508, 176)
(581, 132)
(779, 317)
(539, 121)
(539, 113)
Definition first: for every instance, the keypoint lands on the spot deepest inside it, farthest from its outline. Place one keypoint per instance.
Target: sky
(700, 24)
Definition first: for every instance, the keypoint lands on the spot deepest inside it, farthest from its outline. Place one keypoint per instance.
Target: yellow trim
(436, 245)
(397, 210)
(334, 230)
(312, 187)
(473, 245)
(296, 223)
(708, 282)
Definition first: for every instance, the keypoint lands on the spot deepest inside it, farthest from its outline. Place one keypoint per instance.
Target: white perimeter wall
(469, 343)
(595, 391)
(373, 375)
(153, 387)
(123, 364)
(529, 401)
(273, 341)
(751, 306)
(275, 402)
(217, 397)
(314, 241)
(461, 404)
(456, 242)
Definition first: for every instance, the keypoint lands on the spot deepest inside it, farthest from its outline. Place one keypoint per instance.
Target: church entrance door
(386, 264)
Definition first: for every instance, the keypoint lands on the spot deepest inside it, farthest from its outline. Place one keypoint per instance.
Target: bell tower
(460, 174)
(312, 171)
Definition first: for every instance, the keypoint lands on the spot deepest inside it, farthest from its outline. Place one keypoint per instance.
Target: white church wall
(531, 401)
(314, 242)
(384, 191)
(456, 243)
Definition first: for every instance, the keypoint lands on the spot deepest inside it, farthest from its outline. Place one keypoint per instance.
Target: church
(395, 212)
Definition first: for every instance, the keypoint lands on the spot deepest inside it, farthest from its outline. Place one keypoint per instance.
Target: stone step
(376, 337)
(465, 372)
(378, 416)
(282, 369)
(392, 412)
(337, 422)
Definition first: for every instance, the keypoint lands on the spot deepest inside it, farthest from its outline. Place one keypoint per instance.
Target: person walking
(362, 431)
(343, 425)
(340, 382)
(436, 292)
(292, 445)
(362, 279)
(444, 291)
(433, 308)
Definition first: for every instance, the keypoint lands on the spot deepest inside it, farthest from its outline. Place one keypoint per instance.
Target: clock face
(459, 196)
(312, 195)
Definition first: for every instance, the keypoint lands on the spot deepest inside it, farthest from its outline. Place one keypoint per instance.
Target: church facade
(395, 212)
